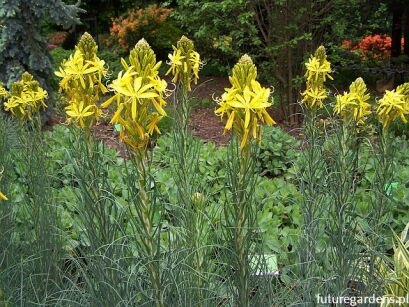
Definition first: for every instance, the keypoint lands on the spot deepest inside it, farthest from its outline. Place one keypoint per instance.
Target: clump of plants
(329, 177)
(185, 224)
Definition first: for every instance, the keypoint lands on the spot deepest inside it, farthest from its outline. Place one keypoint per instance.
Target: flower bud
(244, 72)
(87, 46)
(321, 54)
(185, 44)
(198, 198)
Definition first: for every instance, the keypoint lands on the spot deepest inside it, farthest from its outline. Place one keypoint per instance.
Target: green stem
(311, 207)
(148, 227)
(242, 218)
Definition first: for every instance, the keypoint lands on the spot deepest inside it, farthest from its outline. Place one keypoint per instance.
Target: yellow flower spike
(81, 81)
(26, 98)
(318, 70)
(353, 105)
(184, 63)
(87, 47)
(139, 93)
(394, 105)
(245, 102)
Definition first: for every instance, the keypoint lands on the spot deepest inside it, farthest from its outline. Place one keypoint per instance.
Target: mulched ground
(204, 123)
(207, 126)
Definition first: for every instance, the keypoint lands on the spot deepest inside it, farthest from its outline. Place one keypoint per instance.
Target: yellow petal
(158, 107)
(148, 95)
(269, 121)
(124, 64)
(109, 101)
(230, 120)
(247, 118)
(245, 137)
(134, 102)
(3, 197)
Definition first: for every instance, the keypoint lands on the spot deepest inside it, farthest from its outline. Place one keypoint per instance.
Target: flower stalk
(139, 94)
(311, 172)
(185, 65)
(82, 77)
(342, 168)
(190, 213)
(245, 104)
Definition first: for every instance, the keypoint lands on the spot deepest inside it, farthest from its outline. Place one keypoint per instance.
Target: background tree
(99, 20)
(398, 9)
(278, 34)
(406, 31)
(22, 47)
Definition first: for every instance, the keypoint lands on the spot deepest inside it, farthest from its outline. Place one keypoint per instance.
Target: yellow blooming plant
(184, 63)
(25, 99)
(245, 102)
(318, 70)
(394, 105)
(81, 81)
(139, 96)
(353, 105)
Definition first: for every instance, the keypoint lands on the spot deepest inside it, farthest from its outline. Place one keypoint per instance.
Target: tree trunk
(406, 32)
(289, 72)
(397, 12)
(290, 87)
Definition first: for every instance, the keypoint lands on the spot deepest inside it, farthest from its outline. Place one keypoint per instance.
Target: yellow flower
(78, 113)
(3, 92)
(394, 105)
(314, 96)
(134, 90)
(354, 104)
(318, 70)
(26, 98)
(139, 95)
(245, 102)
(175, 60)
(3, 197)
(77, 69)
(81, 81)
(184, 62)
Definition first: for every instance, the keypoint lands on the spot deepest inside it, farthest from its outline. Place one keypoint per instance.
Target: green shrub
(278, 150)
